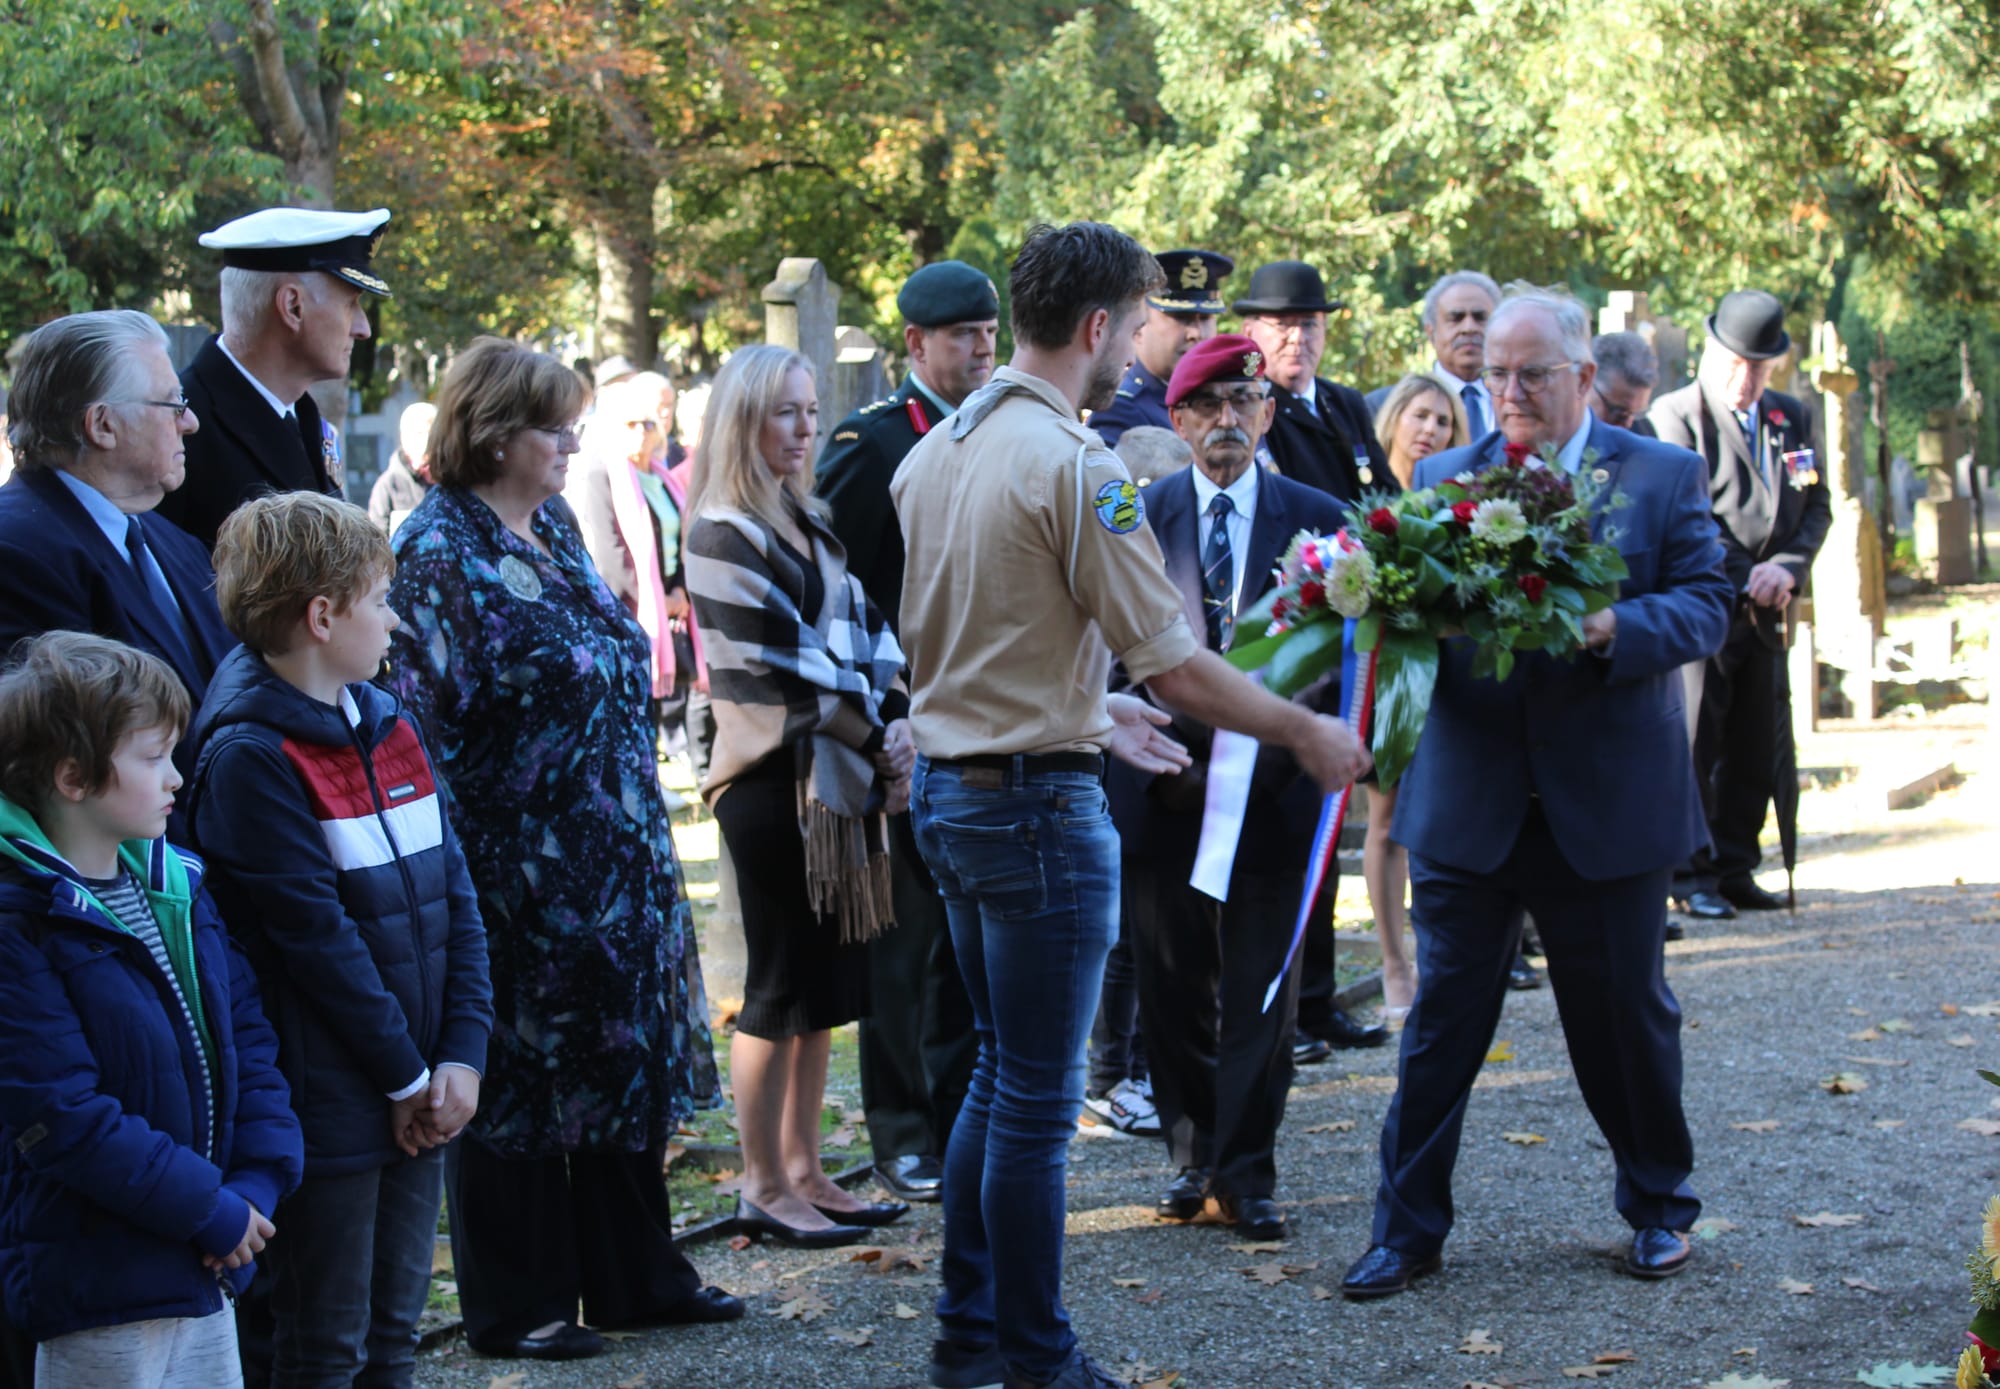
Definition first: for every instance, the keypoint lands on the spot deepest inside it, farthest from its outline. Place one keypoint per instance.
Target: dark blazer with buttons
(1319, 450)
(1782, 521)
(1160, 817)
(243, 449)
(1602, 739)
(853, 475)
(60, 572)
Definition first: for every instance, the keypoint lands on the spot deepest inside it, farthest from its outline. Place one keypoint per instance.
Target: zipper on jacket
(409, 884)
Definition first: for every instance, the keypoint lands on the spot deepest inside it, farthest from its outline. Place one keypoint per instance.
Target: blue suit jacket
(59, 572)
(1284, 804)
(1601, 739)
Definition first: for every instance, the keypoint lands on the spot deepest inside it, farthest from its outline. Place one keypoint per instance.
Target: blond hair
(275, 554)
(729, 470)
(1390, 413)
(73, 697)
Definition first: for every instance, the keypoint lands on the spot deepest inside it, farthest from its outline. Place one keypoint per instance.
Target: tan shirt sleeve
(1113, 563)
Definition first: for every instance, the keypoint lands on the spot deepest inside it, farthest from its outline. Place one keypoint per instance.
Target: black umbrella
(1785, 782)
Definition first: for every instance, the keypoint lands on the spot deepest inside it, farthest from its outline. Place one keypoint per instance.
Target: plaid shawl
(778, 677)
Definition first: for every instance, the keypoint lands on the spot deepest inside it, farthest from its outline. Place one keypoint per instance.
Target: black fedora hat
(1751, 323)
(1286, 286)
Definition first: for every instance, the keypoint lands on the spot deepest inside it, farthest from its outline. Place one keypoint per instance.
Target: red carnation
(1518, 454)
(1461, 512)
(1989, 1357)
(1279, 608)
(1383, 521)
(1778, 419)
(1312, 595)
(1533, 585)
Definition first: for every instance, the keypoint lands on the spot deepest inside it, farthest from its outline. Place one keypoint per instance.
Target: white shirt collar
(1445, 373)
(1242, 493)
(284, 410)
(1570, 455)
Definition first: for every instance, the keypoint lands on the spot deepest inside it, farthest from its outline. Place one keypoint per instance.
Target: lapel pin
(1600, 475)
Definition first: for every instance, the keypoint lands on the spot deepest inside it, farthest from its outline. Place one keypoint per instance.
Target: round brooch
(520, 577)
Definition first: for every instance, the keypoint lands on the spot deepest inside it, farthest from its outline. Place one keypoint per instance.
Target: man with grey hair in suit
(1627, 372)
(1454, 317)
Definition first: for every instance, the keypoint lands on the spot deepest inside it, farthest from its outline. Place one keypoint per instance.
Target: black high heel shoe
(756, 1224)
(874, 1214)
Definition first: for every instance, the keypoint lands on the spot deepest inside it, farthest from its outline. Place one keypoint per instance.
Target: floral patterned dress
(530, 680)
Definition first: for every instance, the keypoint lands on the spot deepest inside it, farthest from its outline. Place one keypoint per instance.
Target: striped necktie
(1218, 575)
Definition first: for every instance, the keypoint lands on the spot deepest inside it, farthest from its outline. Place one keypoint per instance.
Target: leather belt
(995, 769)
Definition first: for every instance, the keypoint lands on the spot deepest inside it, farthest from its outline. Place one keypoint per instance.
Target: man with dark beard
(1029, 566)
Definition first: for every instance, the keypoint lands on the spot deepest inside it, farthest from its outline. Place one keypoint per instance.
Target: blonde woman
(812, 746)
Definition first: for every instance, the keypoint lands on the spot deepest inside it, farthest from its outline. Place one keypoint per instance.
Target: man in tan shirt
(1029, 566)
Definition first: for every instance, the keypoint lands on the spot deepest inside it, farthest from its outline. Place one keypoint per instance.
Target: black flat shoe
(1185, 1196)
(1657, 1253)
(1384, 1272)
(876, 1213)
(1310, 1051)
(1255, 1217)
(1705, 906)
(698, 1308)
(756, 1224)
(913, 1177)
(1751, 898)
(573, 1342)
(1342, 1031)
(1523, 975)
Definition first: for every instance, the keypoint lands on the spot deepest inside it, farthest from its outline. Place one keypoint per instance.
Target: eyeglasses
(1304, 325)
(1613, 412)
(567, 436)
(1534, 380)
(179, 407)
(1241, 399)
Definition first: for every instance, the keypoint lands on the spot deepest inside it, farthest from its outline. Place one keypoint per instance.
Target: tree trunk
(627, 246)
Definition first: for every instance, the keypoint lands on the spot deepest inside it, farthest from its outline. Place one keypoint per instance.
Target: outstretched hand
(1136, 738)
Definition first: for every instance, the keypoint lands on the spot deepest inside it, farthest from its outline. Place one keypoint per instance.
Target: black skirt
(797, 976)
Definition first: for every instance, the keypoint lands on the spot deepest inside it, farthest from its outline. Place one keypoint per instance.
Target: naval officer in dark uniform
(1181, 313)
(918, 1046)
(292, 286)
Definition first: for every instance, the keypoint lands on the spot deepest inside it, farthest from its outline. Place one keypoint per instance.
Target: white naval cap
(340, 244)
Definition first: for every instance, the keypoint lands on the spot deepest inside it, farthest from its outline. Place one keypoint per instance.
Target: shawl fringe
(847, 867)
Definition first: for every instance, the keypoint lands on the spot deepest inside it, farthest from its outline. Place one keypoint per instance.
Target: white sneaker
(1126, 1109)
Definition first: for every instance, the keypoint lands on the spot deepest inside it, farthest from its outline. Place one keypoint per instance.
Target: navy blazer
(60, 572)
(1320, 449)
(1284, 804)
(1601, 739)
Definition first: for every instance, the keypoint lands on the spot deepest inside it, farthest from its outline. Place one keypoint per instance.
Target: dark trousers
(1117, 1044)
(1315, 966)
(918, 1044)
(1605, 950)
(17, 1358)
(532, 1237)
(1221, 1064)
(350, 1269)
(1743, 695)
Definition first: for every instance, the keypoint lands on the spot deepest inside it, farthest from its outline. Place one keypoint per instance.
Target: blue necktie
(1218, 575)
(1475, 411)
(163, 596)
(1750, 443)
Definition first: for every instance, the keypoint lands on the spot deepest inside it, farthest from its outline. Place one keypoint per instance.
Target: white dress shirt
(1242, 495)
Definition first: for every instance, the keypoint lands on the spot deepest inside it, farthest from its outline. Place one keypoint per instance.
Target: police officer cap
(304, 238)
(1193, 281)
(946, 292)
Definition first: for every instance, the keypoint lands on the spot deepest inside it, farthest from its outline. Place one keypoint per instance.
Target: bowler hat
(1286, 286)
(1751, 323)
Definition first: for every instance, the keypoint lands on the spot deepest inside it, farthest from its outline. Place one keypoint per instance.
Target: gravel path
(1857, 983)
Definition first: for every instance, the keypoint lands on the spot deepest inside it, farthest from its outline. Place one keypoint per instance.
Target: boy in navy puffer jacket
(336, 866)
(145, 1133)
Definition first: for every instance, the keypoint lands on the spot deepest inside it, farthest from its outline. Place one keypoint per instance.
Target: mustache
(1228, 434)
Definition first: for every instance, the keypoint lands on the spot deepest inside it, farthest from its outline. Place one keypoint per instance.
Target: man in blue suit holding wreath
(1565, 790)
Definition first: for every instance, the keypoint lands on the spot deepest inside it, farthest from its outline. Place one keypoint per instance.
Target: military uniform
(1141, 400)
(1193, 286)
(853, 475)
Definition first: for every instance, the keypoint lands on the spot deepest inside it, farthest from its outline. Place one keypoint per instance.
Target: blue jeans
(1029, 874)
(352, 1259)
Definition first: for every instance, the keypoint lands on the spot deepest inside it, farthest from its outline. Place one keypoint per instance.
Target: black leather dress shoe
(700, 1307)
(874, 1214)
(573, 1342)
(1255, 1217)
(1309, 1051)
(756, 1224)
(913, 1177)
(1185, 1195)
(1658, 1253)
(1339, 1030)
(1675, 931)
(1523, 975)
(1705, 906)
(1752, 898)
(1384, 1272)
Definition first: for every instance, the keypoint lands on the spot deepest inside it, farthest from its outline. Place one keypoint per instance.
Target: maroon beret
(1224, 357)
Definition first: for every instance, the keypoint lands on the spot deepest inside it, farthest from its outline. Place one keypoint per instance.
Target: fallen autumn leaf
(1479, 1341)
(1825, 1220)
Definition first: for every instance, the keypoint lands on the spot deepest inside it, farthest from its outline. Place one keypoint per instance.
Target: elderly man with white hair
(292, 286)
(1564, 791)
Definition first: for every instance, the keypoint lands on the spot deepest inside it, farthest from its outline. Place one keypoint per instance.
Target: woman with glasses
(530, 680)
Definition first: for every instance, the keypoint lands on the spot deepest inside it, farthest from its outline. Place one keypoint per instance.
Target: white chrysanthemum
(1350, 582)
(1464, 479)
(1499, 521)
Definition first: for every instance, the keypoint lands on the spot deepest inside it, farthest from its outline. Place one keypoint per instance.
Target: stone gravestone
(1849, 602)
(860, 375)
(799, 307)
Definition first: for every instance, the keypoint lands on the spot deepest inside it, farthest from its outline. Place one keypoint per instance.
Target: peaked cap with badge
(1194, 280)
(245, 447)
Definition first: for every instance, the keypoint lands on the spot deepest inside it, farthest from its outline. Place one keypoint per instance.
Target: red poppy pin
(1778, 420)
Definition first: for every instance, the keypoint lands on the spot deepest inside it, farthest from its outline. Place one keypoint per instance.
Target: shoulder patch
(872, 406)
(1119, 507)
(844, 435)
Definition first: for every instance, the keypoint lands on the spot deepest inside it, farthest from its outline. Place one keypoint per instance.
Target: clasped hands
(435, 1114)
(894, 763)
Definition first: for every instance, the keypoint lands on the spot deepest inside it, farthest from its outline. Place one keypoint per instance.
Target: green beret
(945, 292)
